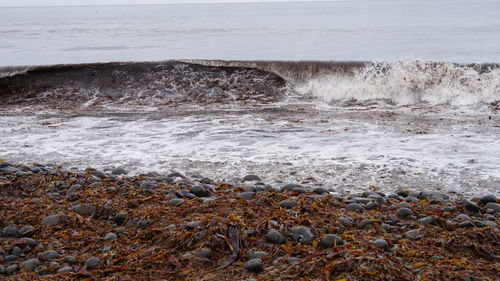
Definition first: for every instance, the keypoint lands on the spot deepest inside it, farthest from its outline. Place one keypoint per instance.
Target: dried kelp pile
(68, 225)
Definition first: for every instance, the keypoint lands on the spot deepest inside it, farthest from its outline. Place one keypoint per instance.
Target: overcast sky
(114, 2)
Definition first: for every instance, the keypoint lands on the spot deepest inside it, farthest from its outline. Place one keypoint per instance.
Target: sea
(347, 95)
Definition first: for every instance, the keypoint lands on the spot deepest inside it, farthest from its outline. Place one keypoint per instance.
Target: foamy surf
(344, 125)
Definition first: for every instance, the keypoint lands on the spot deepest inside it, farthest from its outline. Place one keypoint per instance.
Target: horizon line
(174, 3)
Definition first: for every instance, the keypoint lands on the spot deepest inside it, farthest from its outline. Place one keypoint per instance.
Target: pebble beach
(60, 224)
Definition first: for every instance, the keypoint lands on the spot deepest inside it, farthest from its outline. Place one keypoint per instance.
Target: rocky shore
(58, 224)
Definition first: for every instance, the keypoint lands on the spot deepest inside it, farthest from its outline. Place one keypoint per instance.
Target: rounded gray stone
(471, 206)
(176, 202)
(275, 237)
(290, 186)
(251, 178)
(302, 234)
(199, 191)
(254, 265)
(84, 209)
(288, 204)
(490, 198)
(92, 262)
(119, 171)
(427, 220)
(462, 218)
(51, 220)
(257, 255)
(331, 240)
(65, 269)
(404, 212)
(494, 206)
(320, 190)
(48, 255)
(371, 205)
(346, 221)
(10, 231)
(206, 253)
(355, 207)
(110, 236)
(381, 243)
(246, 195)
(26, 230)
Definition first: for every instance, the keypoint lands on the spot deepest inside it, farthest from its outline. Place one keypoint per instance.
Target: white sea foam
(409, 82)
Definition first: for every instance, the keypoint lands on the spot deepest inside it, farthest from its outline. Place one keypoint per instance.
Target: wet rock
(26, 230)
(10, 258)
(70, 260)
(147, 185)
(120, 218)
(254, 265)
(494, 206)
(486, 223)
(465, 224)
(362, 200)
(2, 269)
(11, 269)
(402, 193)
(206, 253)
(381, 243)
(471, 206)
(32, 243)
(65, 269)
(302, 234)
(10, 231)
(176, 175)
(92, 262)
(355, 207)
(371, 205)
(413, 234)
(48, 255)
(73, 189)
(427, 220)
(292, 260)
(199, 191)
(364, 223)
(299, 190)
(462, 217)
(490, 217)
(290, 186)
(246, 195)
(110, 236)
(346, 221)
(386, 227)
(51, 220)
(489, 199)
(54, 264)
(84, 209)
(192, 225)
(404, 212)
(119, 171)
(95, 185)
(257, 255)
(411, 199)
(275, 237)
(320, 190)
(251, 178)
(288, 204)
(331, 240)
(16, 251)
(176, 202)
(401, 205)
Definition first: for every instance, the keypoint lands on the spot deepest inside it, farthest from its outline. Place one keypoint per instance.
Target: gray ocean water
(442, 30)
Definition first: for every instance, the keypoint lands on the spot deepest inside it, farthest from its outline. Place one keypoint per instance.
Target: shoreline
(58, 224)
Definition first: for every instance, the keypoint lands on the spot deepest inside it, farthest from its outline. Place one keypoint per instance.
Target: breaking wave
(213, 82)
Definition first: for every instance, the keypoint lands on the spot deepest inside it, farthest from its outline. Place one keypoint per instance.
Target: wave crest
(409, 82)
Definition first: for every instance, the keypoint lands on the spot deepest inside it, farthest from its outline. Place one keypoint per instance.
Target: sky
(9, 3)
